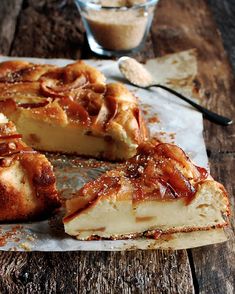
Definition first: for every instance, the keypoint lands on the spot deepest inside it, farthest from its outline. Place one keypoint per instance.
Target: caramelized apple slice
(56, 88)
(107, 112)
(139, 118)
(22, 71)
(163, 171)
(34, 105)
(112, 107)
(168, 174)
(75, 111)
(178, 155)
(9, 137)
(90, 100)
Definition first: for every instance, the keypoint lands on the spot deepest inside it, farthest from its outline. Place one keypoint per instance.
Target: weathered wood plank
(9, 11)
(96, 272)
(49, 29)
(135, 272)
(181, 25)
(215, 265)
(38, 273)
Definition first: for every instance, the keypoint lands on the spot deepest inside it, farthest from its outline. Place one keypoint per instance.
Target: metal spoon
(139, 76)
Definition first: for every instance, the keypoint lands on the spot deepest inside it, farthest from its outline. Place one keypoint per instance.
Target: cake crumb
(25, 246)
(153, 119)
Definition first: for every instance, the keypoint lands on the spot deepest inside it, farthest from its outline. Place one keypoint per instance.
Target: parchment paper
(176, 122)
(177, 71)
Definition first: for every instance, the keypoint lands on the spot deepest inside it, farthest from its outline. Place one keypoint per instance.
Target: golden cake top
(161, 172)
(74, 94)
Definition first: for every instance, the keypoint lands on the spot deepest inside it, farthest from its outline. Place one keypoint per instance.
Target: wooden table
(42, 29)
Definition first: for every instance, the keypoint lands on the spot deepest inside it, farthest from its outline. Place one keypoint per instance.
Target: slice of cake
(159, 191)
(27, 181)
(71, 110)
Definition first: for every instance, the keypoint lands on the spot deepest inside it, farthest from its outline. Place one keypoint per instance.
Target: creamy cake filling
(159, 190)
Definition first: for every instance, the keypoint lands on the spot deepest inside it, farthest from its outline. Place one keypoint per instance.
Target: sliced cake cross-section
(159, 191)
(27, 182)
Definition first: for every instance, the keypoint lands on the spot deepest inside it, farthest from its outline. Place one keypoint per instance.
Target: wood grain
(35, 272)
(135, 272)
(96, 272)
(9, 11)
(193, 27)
(48, 29)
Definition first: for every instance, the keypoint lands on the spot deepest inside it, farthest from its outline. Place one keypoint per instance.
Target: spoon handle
(210, 115)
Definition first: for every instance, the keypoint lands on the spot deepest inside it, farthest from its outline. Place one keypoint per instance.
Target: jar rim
(96, 6)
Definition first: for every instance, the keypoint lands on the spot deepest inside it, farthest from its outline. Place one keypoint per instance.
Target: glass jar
(115, 28)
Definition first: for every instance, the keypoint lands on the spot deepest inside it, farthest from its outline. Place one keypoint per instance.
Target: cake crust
(27, 182)
(73, 99)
